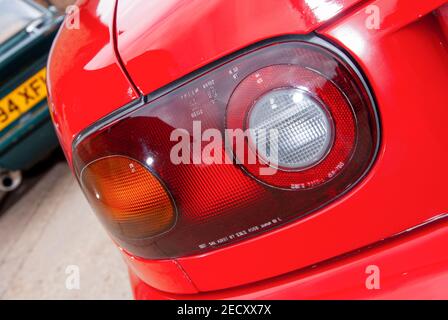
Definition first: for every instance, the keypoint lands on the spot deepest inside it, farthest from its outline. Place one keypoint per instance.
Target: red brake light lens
(195, 188)
(310, 136)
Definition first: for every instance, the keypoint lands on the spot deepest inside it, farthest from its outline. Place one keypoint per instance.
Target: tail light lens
(174, 176)
(129, 199)
(304, 126)
(315, 123)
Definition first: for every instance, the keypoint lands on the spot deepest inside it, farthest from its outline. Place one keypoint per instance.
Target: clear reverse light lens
(305, 129)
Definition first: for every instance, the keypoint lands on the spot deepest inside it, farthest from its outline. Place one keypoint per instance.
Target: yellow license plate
(23, 98)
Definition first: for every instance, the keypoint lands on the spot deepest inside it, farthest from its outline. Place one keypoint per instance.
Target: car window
(15, 16)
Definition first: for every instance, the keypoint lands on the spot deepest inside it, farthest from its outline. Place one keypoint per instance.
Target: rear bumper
(413, 265)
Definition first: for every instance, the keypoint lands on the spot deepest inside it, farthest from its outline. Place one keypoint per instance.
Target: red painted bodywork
(80, 73)
(176, 37)
(413, 266)
(405, 62)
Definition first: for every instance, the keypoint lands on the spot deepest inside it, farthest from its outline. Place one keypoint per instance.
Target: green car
(27, 136)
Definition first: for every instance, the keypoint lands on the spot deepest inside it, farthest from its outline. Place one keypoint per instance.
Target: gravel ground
(47, 230)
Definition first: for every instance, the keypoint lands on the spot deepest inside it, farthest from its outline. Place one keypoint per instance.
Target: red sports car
(262, 149)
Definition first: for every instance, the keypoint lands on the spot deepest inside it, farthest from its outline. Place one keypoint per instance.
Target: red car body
(395, 219)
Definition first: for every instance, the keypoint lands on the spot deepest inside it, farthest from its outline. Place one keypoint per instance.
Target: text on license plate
(23, 98)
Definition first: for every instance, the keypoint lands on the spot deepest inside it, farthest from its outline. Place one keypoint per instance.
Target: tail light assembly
(255, 141)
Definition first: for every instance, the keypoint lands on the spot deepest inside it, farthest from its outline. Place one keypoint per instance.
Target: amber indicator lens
(128, 198)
